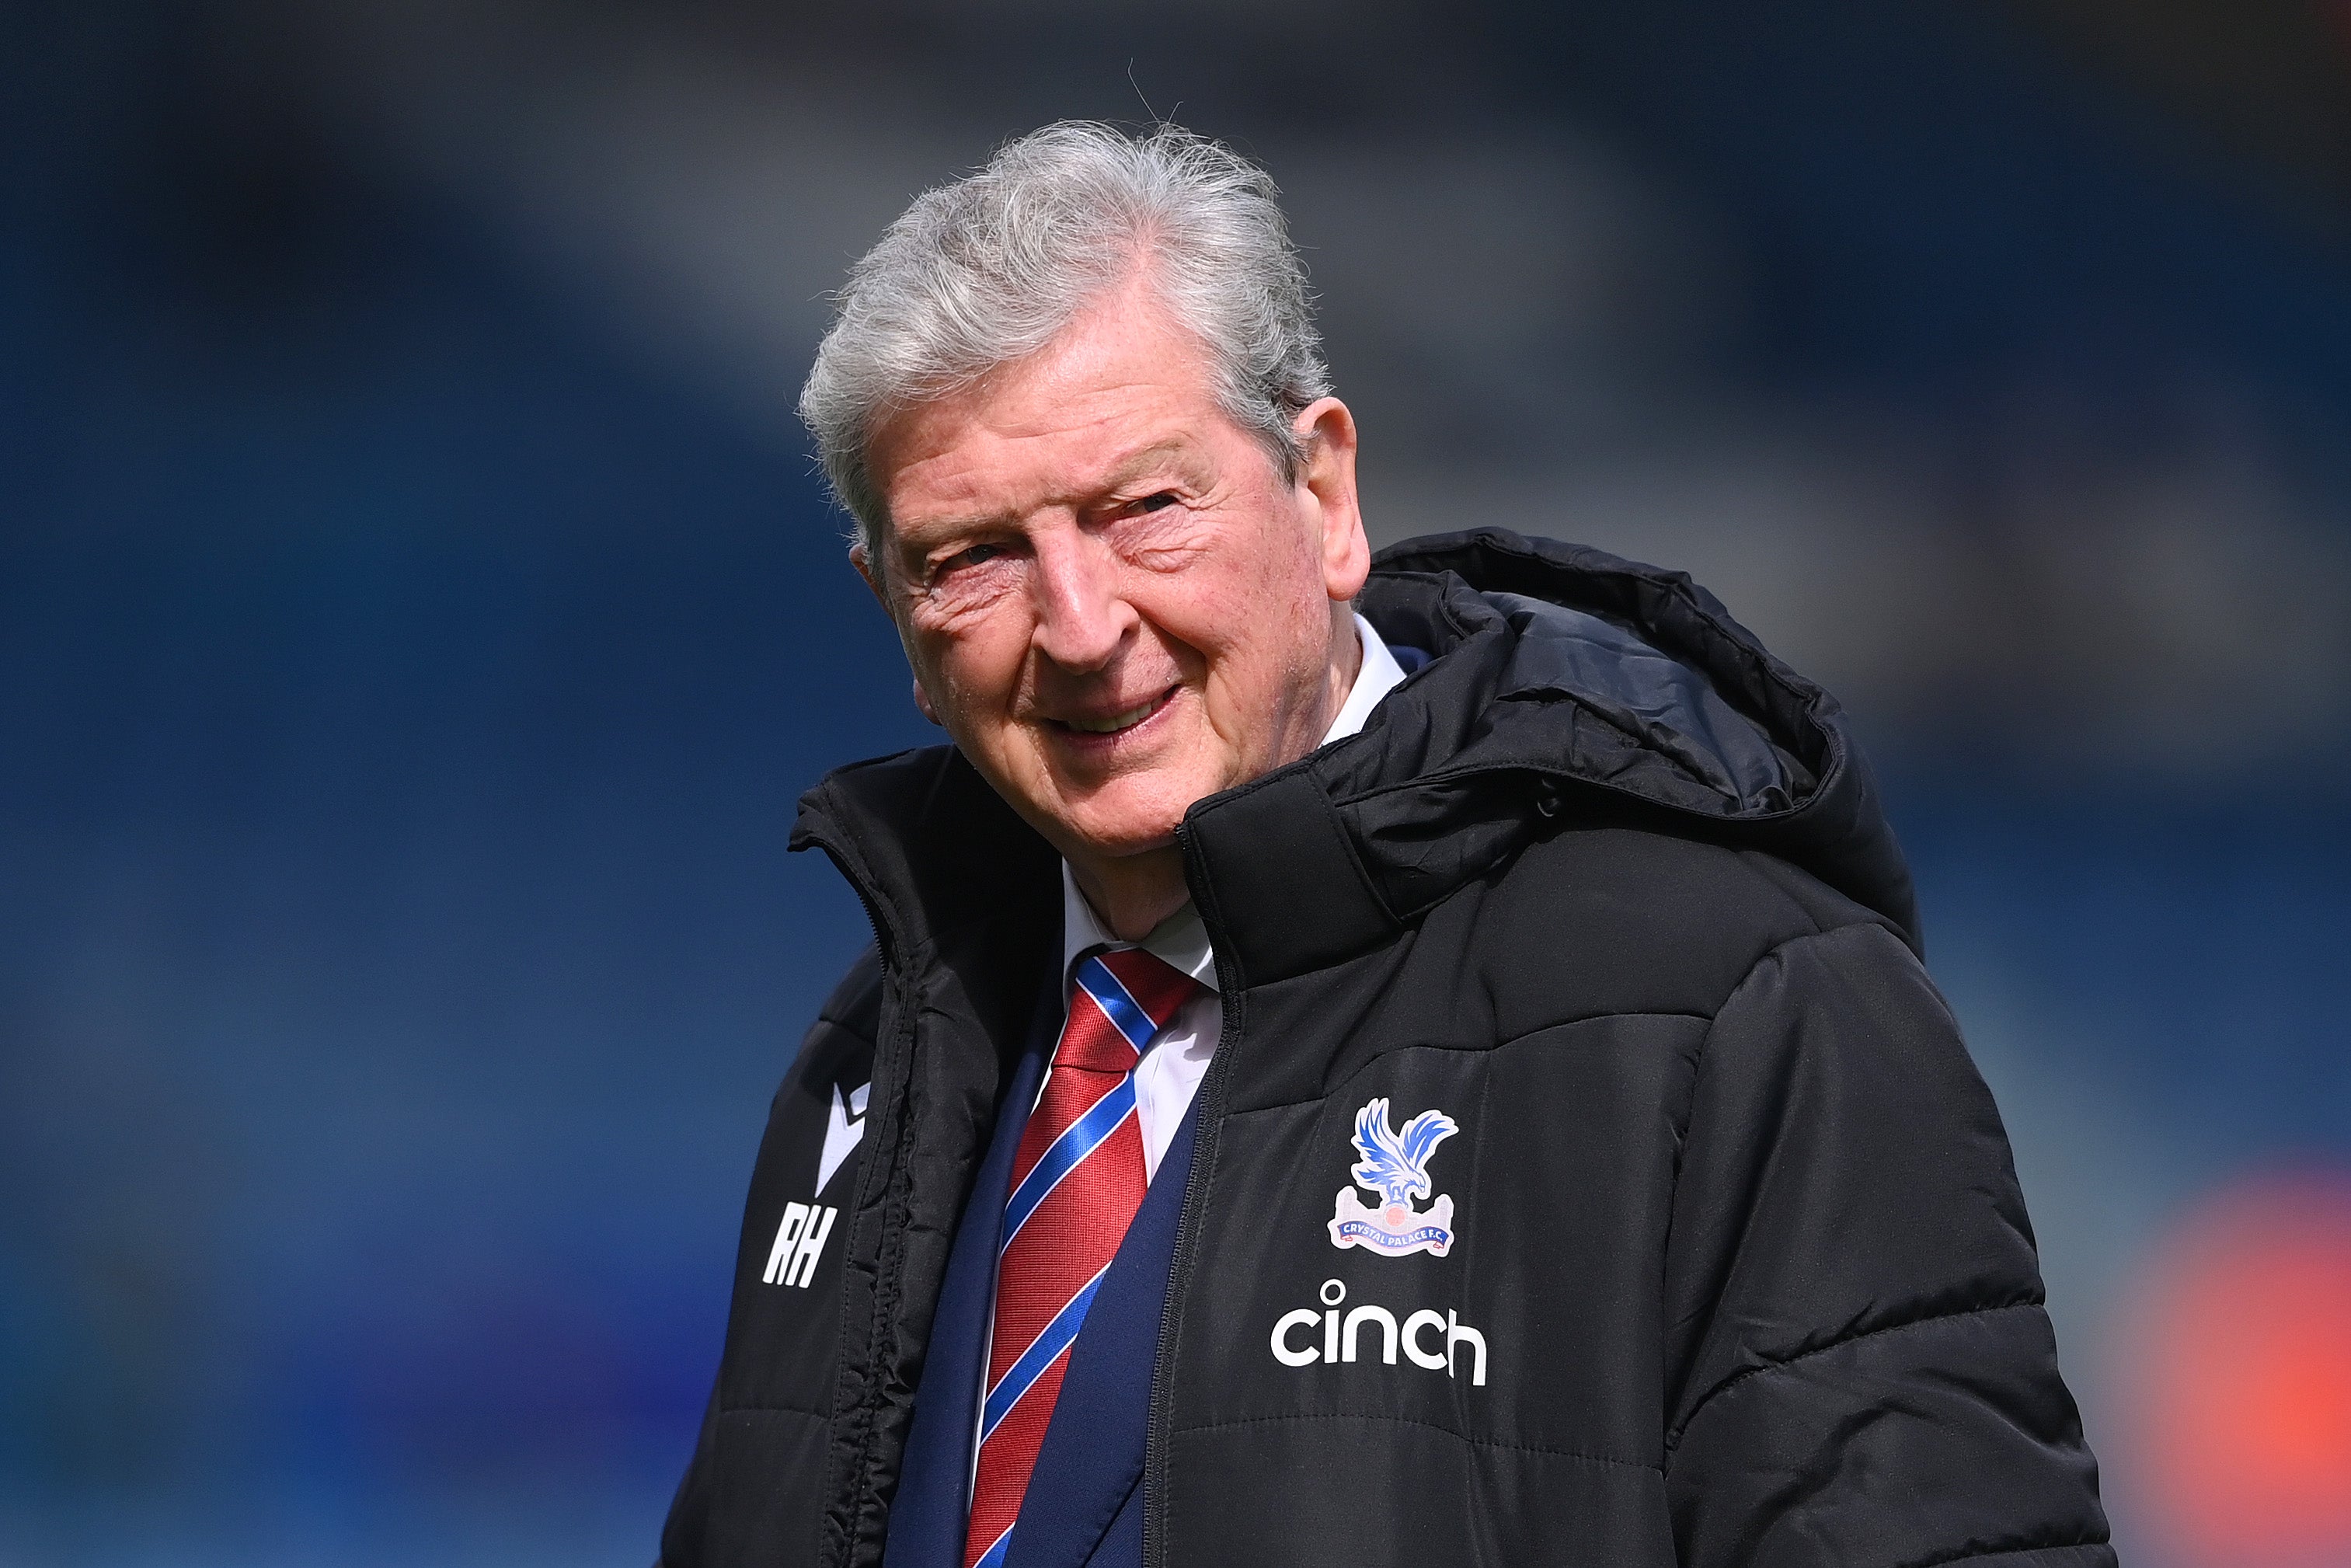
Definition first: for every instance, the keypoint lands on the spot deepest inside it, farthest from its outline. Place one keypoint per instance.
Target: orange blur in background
(2243, 1347)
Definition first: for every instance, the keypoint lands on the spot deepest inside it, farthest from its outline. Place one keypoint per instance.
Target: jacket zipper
(1206, 1114)
(903, 1067)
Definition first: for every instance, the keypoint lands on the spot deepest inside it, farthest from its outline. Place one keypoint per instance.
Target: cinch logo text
(1417, 1336)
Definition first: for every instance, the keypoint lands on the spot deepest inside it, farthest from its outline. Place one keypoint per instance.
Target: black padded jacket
(1738, 1271)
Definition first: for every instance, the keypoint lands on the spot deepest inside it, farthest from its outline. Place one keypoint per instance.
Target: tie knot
(1135, 993)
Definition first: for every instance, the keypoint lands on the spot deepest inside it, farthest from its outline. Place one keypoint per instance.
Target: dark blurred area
(418, 614)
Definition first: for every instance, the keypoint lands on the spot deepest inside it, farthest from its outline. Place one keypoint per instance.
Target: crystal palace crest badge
(1395, 1167)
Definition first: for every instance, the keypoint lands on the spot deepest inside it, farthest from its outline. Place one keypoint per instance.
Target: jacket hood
(1565, 685)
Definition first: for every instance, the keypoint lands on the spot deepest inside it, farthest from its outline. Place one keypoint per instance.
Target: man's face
(1109, 596)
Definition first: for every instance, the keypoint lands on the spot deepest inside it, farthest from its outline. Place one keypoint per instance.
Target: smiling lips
(1113, 723)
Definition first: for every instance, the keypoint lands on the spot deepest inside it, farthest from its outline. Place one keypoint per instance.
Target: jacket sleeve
(844, 1032)
(681, 1538)
(1860, 1369)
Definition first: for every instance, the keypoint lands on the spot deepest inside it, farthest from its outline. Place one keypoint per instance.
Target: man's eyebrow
(940, 529)
(1176, 449)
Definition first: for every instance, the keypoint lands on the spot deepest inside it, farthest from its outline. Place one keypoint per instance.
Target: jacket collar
(1567, 685)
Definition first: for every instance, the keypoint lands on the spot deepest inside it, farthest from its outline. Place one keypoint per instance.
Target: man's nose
(1082, 615)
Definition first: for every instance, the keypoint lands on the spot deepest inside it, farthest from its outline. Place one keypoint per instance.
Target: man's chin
(1128, 813)
(1118, 843)
(1110, 819)
(1104, 830)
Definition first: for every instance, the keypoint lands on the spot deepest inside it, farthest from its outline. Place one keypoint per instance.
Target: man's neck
(1131, 895)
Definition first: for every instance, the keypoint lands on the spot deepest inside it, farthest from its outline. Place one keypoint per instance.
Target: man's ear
(869, 569)
(1326, 478)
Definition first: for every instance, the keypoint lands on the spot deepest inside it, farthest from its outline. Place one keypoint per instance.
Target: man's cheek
(960, 613)
(973, 660)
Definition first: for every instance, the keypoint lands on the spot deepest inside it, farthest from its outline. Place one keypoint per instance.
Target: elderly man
(1413, 1062)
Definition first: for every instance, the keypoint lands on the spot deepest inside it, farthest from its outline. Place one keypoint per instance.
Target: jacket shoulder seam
(1602, 1016)
(1706, 1040)
(858, 1015)
(1431, 1426)
(1739, 1379)
(1813, 930)
(849, 1027)
(1818, 933)
(1999, 1553)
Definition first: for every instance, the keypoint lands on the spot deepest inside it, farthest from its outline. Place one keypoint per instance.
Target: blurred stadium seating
(418, 615)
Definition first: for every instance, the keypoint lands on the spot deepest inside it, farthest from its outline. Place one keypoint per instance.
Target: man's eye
(973, 556)
(1165, 499)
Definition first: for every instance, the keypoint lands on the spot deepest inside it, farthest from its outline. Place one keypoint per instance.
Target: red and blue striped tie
(1077, 1181)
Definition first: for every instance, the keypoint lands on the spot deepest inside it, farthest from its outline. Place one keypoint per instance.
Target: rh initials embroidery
(800, 1242)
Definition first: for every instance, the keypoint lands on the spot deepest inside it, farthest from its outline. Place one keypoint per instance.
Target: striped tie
(1076, 1183)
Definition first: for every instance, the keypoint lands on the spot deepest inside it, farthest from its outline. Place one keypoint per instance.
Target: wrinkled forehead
(1122, 390)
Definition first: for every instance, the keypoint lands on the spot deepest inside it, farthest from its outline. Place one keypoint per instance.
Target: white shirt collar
(1379, 676)
(1182, 939)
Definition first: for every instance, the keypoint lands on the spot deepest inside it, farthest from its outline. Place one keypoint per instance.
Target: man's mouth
(1113, 723)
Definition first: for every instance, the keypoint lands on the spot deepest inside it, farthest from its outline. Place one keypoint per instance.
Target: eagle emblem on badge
(1395, 1166)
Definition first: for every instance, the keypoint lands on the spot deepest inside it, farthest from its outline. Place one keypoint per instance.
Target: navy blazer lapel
(932, 1510)
(1092, 1460)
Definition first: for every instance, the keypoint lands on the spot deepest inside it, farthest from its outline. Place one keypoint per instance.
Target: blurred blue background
(418, 615)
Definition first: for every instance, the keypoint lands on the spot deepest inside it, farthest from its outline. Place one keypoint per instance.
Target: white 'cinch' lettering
(1294, 1343)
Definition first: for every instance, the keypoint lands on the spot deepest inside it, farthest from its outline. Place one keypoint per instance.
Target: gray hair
(989, 268)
